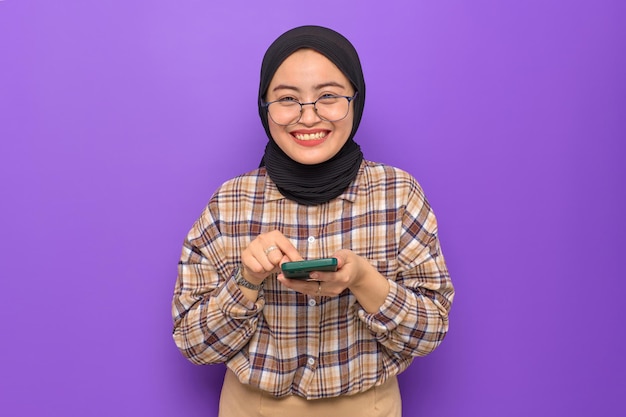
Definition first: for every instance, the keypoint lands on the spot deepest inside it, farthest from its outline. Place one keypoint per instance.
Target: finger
(342, 258)
(251, 265)
(285, 258)
(274, 256)
(323, 276)
(287, 249)
(269, 250)
(266, 253)
(301, 286)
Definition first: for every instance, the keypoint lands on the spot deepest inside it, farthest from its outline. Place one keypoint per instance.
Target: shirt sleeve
(413, 320)
(212, 319)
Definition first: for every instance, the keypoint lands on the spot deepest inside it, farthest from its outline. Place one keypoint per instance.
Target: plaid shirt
(315, 347)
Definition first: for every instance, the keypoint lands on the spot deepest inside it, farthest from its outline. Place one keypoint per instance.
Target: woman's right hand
(265, 254)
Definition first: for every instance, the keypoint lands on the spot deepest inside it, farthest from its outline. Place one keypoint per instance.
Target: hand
(350, 267)
(264, 255)
(355, 273)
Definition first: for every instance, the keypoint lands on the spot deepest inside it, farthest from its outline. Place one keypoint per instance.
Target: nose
(309, 117)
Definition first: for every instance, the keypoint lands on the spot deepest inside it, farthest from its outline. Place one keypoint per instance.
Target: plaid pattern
(289, 343)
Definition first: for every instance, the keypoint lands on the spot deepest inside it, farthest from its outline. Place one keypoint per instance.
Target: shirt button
(311, 361)
(312, 302)
(311, 239)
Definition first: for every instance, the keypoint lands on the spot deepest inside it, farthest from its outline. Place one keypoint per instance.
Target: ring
(271, 248)
(319, 287)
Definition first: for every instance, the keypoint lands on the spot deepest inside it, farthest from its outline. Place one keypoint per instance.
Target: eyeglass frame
(314, 103)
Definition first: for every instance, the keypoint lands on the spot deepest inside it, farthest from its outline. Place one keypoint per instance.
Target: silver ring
(319, 287)
(271, 248)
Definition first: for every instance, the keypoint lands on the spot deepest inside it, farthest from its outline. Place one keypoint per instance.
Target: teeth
(310, 136)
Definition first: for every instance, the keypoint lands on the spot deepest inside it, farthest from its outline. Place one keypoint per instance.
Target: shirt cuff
(391, 313)
(235, 305)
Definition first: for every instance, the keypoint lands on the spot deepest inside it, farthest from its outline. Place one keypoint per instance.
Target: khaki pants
(240, 400)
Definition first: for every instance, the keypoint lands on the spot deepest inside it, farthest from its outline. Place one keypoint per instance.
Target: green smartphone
(302, 269)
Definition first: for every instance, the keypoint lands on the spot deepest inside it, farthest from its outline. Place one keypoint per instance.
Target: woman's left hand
(353, 272)
(326, 283)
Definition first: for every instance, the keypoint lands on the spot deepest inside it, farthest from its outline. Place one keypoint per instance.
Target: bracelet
(240, 280)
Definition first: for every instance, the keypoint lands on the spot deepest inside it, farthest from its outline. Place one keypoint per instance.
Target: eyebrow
(316, 87)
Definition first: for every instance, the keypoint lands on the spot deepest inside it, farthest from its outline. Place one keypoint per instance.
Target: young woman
(331, 345)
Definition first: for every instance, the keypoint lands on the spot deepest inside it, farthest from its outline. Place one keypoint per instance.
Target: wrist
(370, 288)
(363, 272)
(243, 282)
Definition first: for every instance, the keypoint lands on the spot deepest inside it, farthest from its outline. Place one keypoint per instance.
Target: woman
(334, 344)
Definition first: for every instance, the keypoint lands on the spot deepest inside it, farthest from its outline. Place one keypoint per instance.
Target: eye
(287, 99)
(287, 102)
(327, 99)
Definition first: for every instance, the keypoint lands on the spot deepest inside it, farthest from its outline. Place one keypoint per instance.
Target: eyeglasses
(288, 111)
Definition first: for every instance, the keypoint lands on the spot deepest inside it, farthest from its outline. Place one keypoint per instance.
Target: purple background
(118, 119)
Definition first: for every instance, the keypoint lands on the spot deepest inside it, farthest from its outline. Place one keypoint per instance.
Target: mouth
(310, 136)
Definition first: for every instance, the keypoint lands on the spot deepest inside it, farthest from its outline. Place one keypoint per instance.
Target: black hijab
(318, 183)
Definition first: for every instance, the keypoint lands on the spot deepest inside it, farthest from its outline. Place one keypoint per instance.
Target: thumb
(342, 257)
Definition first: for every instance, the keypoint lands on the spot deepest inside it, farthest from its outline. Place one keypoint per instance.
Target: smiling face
(305, 76)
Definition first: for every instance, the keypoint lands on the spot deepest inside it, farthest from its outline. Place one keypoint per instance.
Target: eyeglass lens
(331, 108)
